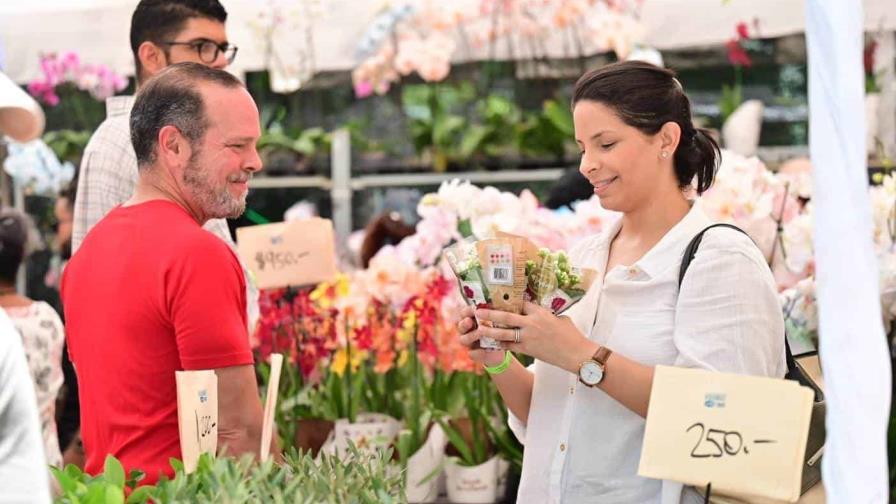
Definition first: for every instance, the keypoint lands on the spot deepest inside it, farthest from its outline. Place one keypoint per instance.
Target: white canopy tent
(98, 29)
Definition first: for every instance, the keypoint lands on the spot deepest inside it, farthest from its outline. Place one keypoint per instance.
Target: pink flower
(363, 89)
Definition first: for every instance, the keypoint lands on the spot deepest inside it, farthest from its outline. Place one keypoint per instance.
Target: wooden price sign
(300, 252)
(744, 434)
(197, 415)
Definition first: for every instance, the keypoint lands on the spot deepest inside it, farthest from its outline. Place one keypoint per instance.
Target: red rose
(742, 30)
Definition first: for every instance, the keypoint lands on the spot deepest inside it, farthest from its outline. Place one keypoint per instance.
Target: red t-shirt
(148, 293)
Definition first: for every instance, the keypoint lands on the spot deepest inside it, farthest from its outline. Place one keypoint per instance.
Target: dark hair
(158, 21)
(386, 229)
(646, 97)
(172, 98)
(13, 241)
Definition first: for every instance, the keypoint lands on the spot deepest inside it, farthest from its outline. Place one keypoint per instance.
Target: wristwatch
(592, 371)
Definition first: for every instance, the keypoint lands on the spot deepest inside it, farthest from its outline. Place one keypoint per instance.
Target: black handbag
(815, 444)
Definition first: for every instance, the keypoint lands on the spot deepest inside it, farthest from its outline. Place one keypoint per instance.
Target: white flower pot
(423, 464)
(369, 432)
(872, 103)
(473, 485)
(503, 471)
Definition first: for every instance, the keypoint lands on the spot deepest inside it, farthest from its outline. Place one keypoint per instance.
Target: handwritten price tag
(197, 415)
(300, 252)
(746, 435)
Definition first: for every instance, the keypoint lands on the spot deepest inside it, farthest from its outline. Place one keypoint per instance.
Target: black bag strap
(691, 251)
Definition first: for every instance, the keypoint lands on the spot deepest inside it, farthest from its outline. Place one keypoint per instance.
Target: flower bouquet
(491, 274)
(504, 272)
(554, 283)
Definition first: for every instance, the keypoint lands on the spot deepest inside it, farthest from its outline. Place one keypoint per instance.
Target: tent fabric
(98, 29)
(853, 349)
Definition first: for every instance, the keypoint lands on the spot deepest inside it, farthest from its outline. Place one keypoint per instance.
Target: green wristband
(500, 368)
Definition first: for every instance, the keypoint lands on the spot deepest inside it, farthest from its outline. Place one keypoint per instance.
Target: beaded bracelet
(500, 368)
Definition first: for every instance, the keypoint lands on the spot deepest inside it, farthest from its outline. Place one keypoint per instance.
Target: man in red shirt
(150, 292)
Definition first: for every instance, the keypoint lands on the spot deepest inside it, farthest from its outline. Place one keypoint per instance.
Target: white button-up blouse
(581, 446)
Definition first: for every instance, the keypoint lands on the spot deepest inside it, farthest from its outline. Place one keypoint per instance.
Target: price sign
(300, 252)
(744, 434)
(197, 415)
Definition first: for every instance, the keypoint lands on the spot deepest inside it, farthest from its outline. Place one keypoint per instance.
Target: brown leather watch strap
(601, 356)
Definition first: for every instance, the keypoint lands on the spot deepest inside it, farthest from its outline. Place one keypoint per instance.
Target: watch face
(591, 373)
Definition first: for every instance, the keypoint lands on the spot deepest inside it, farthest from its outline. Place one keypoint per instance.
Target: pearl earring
(664, 154)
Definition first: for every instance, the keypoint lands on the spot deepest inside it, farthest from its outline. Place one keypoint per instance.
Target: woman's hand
(469, 337)
(542, 335)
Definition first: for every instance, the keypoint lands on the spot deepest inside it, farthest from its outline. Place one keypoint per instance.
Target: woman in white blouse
(579, 410)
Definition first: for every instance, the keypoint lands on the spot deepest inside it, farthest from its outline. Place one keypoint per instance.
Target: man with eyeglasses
(163, 32)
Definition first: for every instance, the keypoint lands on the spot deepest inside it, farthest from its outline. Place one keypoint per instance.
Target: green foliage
(732, 97)
(358, 478)
(68, 145)
(307, 142)
(436, 120)
(475, 449)
(546, 133)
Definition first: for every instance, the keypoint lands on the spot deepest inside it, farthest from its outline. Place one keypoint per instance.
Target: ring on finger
(516, 335)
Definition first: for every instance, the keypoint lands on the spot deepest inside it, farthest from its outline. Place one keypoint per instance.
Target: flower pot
(311, 433)
(503, 472)
(423, 463)
(472, 485)
(369, 432)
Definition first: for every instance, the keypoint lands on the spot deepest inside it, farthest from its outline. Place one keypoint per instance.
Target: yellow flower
(402, 358)
(326, 292)
(340, 360)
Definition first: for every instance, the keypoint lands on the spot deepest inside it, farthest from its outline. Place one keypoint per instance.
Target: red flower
(557, 304)
(868, 57)
(742, 30)
(468, 292)
(737, 55)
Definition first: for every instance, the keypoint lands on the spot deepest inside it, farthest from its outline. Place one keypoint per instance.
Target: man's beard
(214, 201)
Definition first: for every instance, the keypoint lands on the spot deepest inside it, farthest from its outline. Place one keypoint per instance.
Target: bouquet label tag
(499, 267)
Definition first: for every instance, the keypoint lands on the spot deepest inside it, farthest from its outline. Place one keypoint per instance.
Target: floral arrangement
(59, 69)
(424, 37)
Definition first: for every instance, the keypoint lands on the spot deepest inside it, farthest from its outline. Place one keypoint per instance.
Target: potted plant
(472, 469)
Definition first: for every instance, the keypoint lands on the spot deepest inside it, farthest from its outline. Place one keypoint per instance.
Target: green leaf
(114, 472)
(457, 441)
(176, 464)
(114, 495)
(66, 483)
(140, 495)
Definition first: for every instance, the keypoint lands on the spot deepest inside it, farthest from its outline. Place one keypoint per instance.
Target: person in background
(386, 229)
(163, 32)
(68, 410)
(38, 324)
(150, 292)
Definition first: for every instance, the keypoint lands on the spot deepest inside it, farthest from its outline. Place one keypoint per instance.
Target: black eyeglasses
(209, 50)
